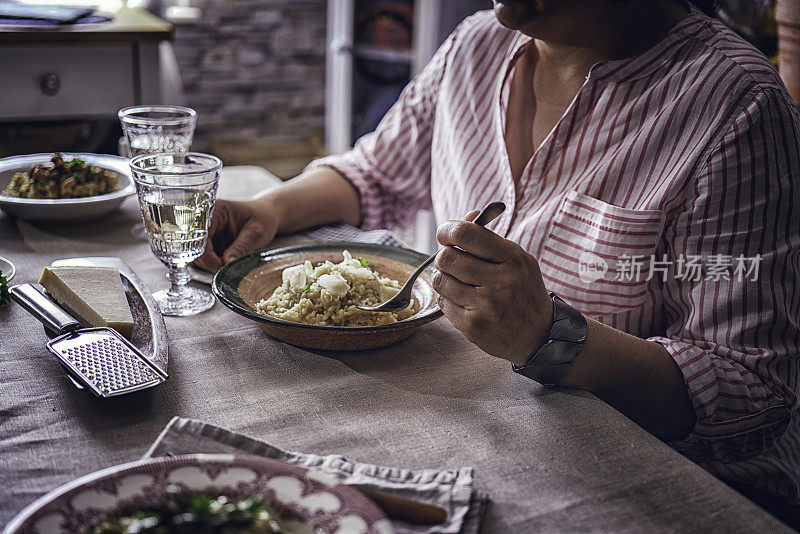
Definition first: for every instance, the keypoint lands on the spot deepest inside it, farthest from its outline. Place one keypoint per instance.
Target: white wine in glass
(176, 222)
(176, 195)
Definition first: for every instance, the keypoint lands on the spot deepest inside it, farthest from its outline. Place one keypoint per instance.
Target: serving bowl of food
(199, 493)
(68, 187)
(308, 295)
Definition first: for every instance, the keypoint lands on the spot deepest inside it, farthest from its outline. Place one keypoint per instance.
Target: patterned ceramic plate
(307, 501)
(65, 209)
(245, 281)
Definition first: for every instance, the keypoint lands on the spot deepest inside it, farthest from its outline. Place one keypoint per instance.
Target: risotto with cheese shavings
(327, 294)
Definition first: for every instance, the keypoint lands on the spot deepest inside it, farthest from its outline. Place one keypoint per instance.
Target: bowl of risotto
(308, 295)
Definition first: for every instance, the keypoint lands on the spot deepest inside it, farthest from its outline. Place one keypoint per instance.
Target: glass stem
(178, 276)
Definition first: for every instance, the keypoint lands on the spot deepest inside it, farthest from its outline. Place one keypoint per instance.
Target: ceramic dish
(65, 209)
(306, 501)
(242, 283)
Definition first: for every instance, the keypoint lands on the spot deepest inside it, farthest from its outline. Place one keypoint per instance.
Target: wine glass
(176, 195)
(156, 129)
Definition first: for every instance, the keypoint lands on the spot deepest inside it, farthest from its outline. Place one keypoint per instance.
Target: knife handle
(48, 312)
(396, 507)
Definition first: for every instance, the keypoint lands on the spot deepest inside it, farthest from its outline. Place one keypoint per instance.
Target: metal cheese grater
(98, 358)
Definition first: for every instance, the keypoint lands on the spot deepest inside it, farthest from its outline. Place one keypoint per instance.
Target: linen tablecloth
(551, 459)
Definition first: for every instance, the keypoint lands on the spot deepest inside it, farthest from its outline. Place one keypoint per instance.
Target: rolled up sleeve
(391, 166)
(736, 336)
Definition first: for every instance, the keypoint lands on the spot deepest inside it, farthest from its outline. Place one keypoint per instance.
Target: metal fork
(402, 298)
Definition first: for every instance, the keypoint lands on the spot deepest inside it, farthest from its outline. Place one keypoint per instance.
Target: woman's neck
(568, 44)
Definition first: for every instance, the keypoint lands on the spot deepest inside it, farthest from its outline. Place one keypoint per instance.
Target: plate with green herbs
(200, 494)
(325, 279)
(63, 187)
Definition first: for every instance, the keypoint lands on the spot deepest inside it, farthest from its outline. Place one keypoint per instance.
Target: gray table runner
(449, 489)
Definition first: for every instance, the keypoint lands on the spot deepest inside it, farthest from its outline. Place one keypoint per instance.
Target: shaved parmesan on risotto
(328, 294)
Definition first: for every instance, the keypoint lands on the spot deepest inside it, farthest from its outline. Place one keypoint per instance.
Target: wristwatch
(552, 361)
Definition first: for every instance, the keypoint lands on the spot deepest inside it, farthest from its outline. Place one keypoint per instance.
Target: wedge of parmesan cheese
(93, 295)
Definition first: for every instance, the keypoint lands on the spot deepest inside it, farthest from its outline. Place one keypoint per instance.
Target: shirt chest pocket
(597, 255)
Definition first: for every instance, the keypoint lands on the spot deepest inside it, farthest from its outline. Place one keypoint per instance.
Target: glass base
(191, 301)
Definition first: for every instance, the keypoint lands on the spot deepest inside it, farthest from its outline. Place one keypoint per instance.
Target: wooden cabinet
(46, 82)
(76, 72)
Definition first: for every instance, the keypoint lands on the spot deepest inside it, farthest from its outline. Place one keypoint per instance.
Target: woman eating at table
(650, 162)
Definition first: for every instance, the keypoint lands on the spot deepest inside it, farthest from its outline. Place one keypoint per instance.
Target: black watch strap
(553, 360)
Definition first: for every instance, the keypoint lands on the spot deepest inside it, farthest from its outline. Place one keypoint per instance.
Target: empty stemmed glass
(176, 195)
(153, 130)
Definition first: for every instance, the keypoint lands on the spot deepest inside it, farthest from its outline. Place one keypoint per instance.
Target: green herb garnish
(362, 261)
(306, 289)
(186, 513)
(5, 296)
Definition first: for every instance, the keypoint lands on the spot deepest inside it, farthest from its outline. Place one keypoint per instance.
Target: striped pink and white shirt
(688, 154)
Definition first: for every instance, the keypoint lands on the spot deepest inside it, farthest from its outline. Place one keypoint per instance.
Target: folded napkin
(449, 489)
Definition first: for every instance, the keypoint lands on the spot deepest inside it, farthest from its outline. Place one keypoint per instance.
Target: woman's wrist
(270, 204)
(559, 342)
(321, 196)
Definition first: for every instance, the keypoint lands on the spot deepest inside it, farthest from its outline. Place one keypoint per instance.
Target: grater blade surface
(104, 362)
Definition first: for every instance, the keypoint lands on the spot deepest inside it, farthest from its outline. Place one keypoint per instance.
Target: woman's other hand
(238, 228)
(320, 196)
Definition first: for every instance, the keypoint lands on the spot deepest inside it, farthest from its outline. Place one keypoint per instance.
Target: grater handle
(44, 309)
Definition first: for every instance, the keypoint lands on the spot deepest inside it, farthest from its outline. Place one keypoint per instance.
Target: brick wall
(255, 72)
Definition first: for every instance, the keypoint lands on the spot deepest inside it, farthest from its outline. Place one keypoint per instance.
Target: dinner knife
(403, 509)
